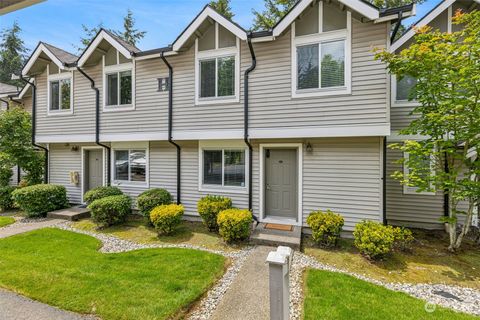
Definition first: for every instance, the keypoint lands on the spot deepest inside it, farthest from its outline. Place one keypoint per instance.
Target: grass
(135, 229)
(5, 221)
(65, 269)
(330, 295)
(429, 261)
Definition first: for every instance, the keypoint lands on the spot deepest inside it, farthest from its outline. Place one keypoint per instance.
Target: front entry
(281, 189)
(93, 169)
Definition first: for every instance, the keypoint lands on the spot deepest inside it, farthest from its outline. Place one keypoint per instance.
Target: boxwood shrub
(6, 199)
(234, 224)
(167, 217)
(326, 227)
(209, 207)
(38, 200)
(152, 198)
(101, 192)
(110, 210)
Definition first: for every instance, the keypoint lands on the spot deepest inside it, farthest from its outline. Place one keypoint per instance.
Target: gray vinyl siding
(61, 161)
(27, 104)
(271, 102)
(14, 178)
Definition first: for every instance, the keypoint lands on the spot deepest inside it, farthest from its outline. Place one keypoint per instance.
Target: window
(223, 168)
(217, 66)
(404, 89)
(60, 93)
(119, 88)
(406, 170)
(321, 51)
(130, 165)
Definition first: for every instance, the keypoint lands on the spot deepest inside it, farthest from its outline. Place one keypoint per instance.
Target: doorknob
(267, 187)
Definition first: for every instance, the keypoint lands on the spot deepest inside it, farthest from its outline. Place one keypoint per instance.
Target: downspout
(384, 182)
(170, 125)
(34, 118)
(6, 102)
(97, 123)
(397, 26)
(245, 123)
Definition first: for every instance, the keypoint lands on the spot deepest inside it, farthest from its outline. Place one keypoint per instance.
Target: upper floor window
(404, 89)
(217, 66)
(118, 80)
(60, 93)
(321, 41)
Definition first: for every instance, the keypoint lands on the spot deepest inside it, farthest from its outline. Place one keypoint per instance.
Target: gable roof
(122, 46)
(208, 12)
(363, 7)
(426, 19)
(7, 89)
(58, 56)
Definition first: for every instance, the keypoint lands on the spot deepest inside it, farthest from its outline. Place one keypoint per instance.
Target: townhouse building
(283, 121)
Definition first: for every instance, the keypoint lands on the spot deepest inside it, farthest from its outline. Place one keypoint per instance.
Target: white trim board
(82, 173)
(299, 148)
(65, 138)
(36, 54)
(208, 12)
(102, 35)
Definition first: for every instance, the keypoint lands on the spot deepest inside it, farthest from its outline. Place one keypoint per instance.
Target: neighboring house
(6, 92)
(405, 206)
(308, 133)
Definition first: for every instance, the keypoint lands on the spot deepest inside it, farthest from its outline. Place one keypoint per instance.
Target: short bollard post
(279, 269)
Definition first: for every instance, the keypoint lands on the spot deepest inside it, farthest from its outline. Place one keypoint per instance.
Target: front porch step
(269, 237)
(72, 214)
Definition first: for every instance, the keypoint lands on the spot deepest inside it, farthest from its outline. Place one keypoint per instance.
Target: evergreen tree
(129, 33)
(274, 11)
(223, 7)
(89, 34)
(13, 54)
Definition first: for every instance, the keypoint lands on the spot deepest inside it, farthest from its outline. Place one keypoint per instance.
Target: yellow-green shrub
(234, 224)
(209, 207)
(403, 238)
(326, 227)
(167, 217)
(373, 239)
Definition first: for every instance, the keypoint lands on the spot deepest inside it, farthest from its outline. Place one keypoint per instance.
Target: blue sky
(58, 22)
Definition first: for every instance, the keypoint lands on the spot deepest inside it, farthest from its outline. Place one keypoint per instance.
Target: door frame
(82, 174)
(299, 148)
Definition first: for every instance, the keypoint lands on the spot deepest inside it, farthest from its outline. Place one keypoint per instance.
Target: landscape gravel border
(209, 302)
(468, 299)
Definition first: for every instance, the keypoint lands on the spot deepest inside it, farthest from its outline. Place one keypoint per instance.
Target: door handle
(267, 187)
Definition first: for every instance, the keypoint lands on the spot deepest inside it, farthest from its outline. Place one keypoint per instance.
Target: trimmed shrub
(6, 199)
(373, 239)
(101, 192)
(110, 210)
(151, 199)
(403, 238)
(326, 227)
(209, 207)
(39, 199)
(167, 217)
(234, 224)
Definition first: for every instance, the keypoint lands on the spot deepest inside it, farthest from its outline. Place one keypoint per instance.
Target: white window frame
(119, 146)
(118, 68)
(215, 54)
(406, 170)
(222, 146)
(400, 103)
(318, 38)
(59, 77)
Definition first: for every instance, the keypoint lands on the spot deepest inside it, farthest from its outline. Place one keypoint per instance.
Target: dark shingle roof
(62, 55)
(124, 43)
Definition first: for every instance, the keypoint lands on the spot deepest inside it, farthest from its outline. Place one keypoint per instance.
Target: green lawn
(135, 229)
(65, 269)
(5, 221)
(330, 295)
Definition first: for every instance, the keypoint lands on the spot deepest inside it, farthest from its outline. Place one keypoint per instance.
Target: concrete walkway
(21, 227)
(16, 307)
(248, 298)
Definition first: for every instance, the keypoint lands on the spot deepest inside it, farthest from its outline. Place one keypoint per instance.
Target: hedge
(38, 200)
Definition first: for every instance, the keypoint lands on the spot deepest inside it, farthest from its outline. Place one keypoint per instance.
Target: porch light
(309, 147)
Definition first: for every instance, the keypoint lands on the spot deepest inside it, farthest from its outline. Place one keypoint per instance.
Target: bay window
(321, 52)
(217, 66)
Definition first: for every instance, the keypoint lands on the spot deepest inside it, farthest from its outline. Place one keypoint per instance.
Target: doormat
(281, 227)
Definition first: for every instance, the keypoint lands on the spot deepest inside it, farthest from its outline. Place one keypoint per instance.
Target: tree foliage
(129, 33)
(13, 54)
(16, 147)
(273, 12)
(223, 7)
(446, 66)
